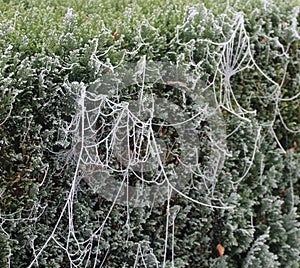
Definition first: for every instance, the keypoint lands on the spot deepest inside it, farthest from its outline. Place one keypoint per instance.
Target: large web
(144, 133)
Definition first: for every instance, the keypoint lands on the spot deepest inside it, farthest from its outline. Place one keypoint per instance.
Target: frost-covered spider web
(142, 137)
(142, 132)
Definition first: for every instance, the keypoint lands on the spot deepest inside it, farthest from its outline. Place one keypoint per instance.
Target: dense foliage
(50, 49)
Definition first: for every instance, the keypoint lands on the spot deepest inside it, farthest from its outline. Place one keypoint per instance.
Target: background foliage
(47, 49)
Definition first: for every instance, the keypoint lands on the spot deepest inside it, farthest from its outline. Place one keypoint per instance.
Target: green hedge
(47, 50)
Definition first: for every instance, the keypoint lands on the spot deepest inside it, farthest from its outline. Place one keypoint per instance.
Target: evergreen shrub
(51, 51)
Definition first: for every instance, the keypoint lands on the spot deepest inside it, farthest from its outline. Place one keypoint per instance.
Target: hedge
(51, 51)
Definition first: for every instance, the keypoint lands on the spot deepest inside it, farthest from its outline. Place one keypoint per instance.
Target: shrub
(246, 53)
